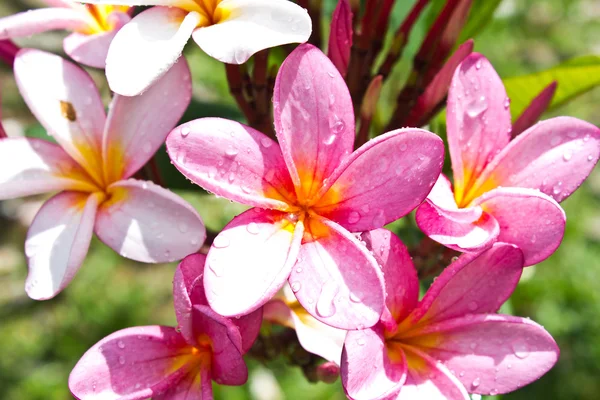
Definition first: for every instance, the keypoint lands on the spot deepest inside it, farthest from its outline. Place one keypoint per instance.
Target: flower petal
(429, 380)
(232, 160)
(478, 120)
(250, 261)
(527, 218)
(314, 118)
(401, 281)
(138, 126)
(383, 180)
(228, 366)
(133, 363)
(340, 37)
(91, 50)
(491, 354)
(554, 156)
(248, 26)
(41, 20)
(475, 283)
(336, 279)
(367, 371)
(57, 242)
(147, 47)
(147, 223)
(534, 110)
(65, 100)
(34, 166)
(194, 385)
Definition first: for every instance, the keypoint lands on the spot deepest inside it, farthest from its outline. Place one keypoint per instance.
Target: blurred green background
(40, 342)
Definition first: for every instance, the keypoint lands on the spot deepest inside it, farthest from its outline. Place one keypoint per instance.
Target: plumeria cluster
(311, 253)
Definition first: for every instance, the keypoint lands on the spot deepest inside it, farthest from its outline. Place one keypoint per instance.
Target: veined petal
(41, 20)
(336, 279)
(367, 370)
(147, 223)
(250, 260)
(34, 166)
(554, 156)
(527, 218)
(147, 47)
(133, 364)
(340, 37)
(495, 354)
(194, 385)
(137, 126)
(244, 27)
(91, 50)
(65, 100)
(478, 121)
(57, 242)
(383, 180)
(429, 380)
(401, 281)
(314, 118)
(232, 160)
(475, 283)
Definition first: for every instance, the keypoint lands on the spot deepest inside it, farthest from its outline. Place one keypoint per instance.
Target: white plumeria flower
(229, 30)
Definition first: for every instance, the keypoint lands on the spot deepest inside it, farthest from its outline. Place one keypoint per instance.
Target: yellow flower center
(100, 15)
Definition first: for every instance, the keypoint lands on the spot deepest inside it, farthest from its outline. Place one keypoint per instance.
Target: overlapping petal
(314, 118)
(57, 242)
(383, 180)
(336, 279)
(250, 260)
(232, 160)
(44, 19)
(147, 223)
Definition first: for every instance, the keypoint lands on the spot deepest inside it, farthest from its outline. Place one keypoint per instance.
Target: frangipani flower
(309, 193)
(229, 30)
(93, 27)
(450, 343)
(504, 190)
(314, 336)
(90, 167)
(167, 363)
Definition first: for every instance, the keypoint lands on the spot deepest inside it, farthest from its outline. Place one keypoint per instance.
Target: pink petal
(147, 223)
(367, 371)
(57, 242)
(431, 381)
(554, 156)
(491, 354)
(465, 230)
(534, 111)
(401, 281)
(475, 283)
(478, 120)
(195, 385)
(336, 279)
(383, 180)
(44, 19)
(131, 364)
(340, 37)
(34, 166)
(65, 100)
(314, 118)
(138, 126)
(233, 161)
(228, 366)
(528, 219)
(250, 261)
(91, 50)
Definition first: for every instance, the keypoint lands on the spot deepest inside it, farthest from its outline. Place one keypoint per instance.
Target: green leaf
(574, 77)
(482, 11)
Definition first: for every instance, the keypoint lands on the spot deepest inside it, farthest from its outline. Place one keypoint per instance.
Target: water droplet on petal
(590, 157)
(356, 297)
(478, 65)
(296, 287)
(270, 175)
(252, 228)
(477, 106)
(361, 341)
(185, 131)
(506, 103)
(476, 382)
(567, 156)
(231, 151)
(330, 139)
(121, 360)
(298, 270)
(379, 219)
(325, 304)
(403, 147)
(183, 228)
(266, 142)
(338, 126)
(120, 344)
(472, 306)
(353, 217)
(221, 242)
(521, 349)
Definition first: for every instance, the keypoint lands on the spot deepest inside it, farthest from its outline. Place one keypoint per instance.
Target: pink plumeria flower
(93, 27)
(310, 192)
(314, 336)
(229, 30)
(504, 190)
(166, 363)
(90, 167)
(451, 343)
